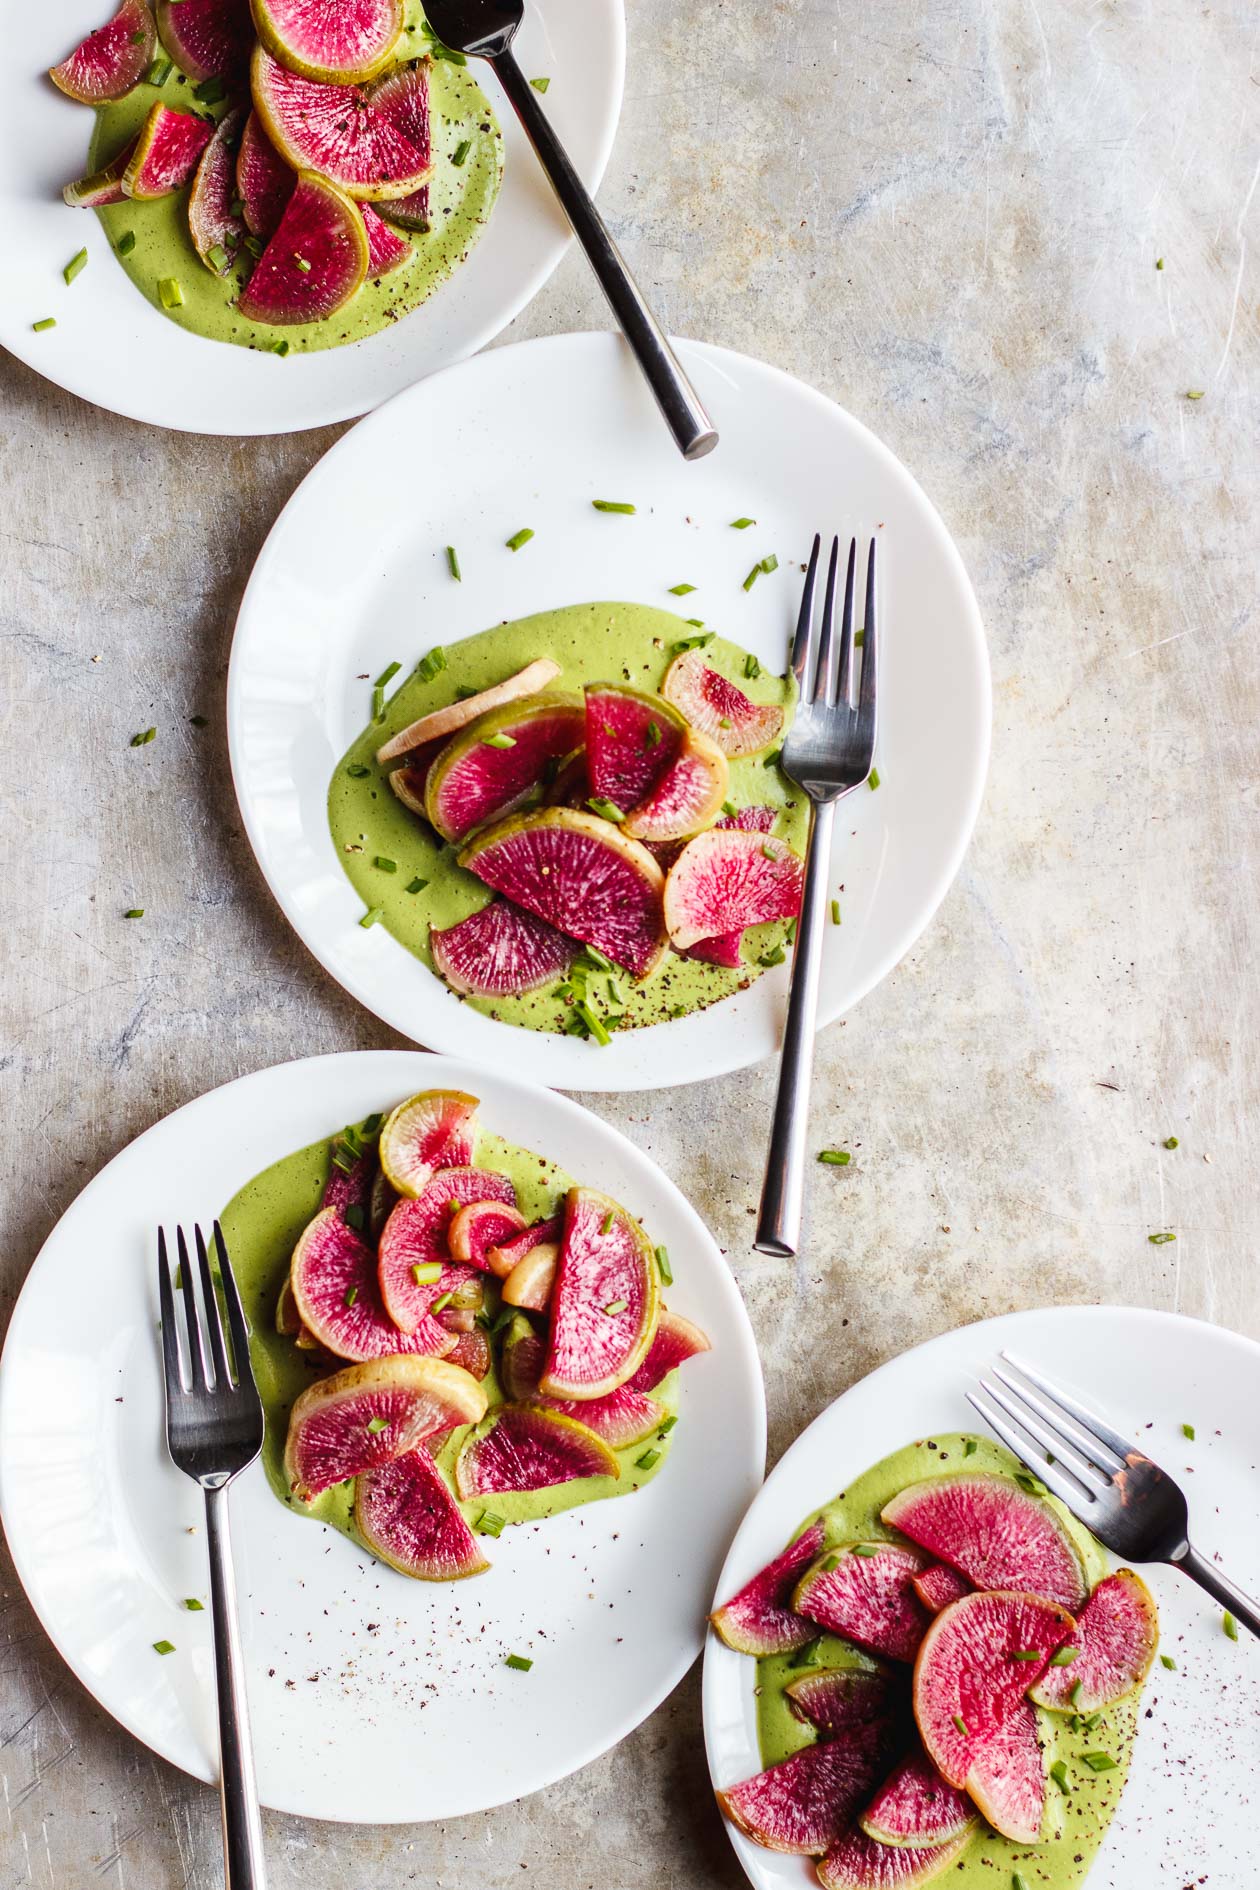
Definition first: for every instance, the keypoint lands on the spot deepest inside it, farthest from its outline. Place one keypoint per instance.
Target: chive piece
(159, 72)
(772, 759)
(1098, 1761)
(498, 741)
(767, 851)
(210, 91)
(1230, 1626)
(774, 957)
(417, 885)
(835, 1157)
(752, 577)
(489, 1523)
(460, 154)
(352, 1293)
(1159, 262)
(752, 667)
(612, 505)
(432, 664)
(441, 1303)
(452, 564)
(520, 538)
(1187, 1430)
(126, 243)
(1025, 1653)
(742, 524)
(807, 1656)
(663, 1430)
(681, 590)
(255, 245)
(353, 1216)
(865, 1548)
(970, 1447)
(648, 1460)
(357, 771)
(424, 1272)
(170, 295)
(663, 1267)
(1018, 1880)
(653, 734)
(835, 912)
(372, 1123)
(302, 263)
(614, 1307)
(75, 267)
(280, 347)
(1171, 1142)
(961, 1724)
(384, 864)
(1194, 393)
(1074, 1696)
(730, 809)
(388, 674)
(49, 321)
(697, 623)
(609, 810)
(1029, 1483)
(377, 1424)
(769, 563)
(145, 736)
(872, 780)
(193, 1605)
(540, 85)
(164, 1647)
(217, 257)
(464, 692)
(1166, 1660)
(371, 916)
(1058, 1772)
(1064, 1656)
(593, 1024)
(606, 1224)
(518, 1663)
(1160, 1240)
(378, 703)
(859, 639)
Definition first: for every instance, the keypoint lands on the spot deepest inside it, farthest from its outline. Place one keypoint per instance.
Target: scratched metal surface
(950, 219)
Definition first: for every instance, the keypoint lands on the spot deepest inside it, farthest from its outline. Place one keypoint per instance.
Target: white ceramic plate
(111, 347)
(1184, 1815)
(375, 1699)
(354, 576)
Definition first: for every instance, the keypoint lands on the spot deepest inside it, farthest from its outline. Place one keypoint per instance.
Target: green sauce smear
(600, 642)
(1075, 1821)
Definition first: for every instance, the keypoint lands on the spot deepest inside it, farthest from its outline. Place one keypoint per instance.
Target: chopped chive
(452, 564)
(1025, 1653)
(772, 759)
(255, 245)
(1074, 1695)
(614, 1307)
(752, 667)
(694, 643)
(1171, 1142)
(865, 1548)
(593, 1024)
(1159, 262)
(730, 809)
(835, 1157)
(663, 1267)
(357, 771)
(280, 347)
(441, 1303)
(352, 1293)
(217, 257)
(1166, 1660)
(354, 1217)
(1230, 1626)
(767, 851)
(432, 664)
(164, 1647)
(371, 916)
(663, 1430)
(75, 267)
(518, 1663)
(377, 1424)
(378, 703)
(388, 674)
(1098, 1761)
(145, 736)
(384, 864)
(489, 1523)
(1064, 1656)
(1187, 1430)
(460, 153)
(647, 1460)
(498, 741)
(540, 85)
(773, 957)
(832, 1563)
(372, 1123)
(1160, 1240)
(970, 1447)
(653, 734)
(742, 524)
(520, 538)
(126, 243)
(961, 1724)
(859, 639)
(417, 885)
(1018, 1880)
(464, 692)
(1029, 1483)
(424, 1272)
(1058, 1772)
(752, 577)
(769, 563)
(170, 295)
(697, 623)
(612, 505)
(872, 780)
(193, 1605)
(609, 810)
(597, 957)
(159, 72)
(681, 590)
(606, 1224)
(807, 1656)
(1194, 393)
(210, 92)
(835, 912)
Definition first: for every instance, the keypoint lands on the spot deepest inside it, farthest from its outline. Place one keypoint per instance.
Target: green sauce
(631, 643)
(261, 1224)
(1076, 1821)
(461, 198)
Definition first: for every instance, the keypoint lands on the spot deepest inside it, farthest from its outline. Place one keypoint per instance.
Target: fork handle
(782, 1191)
(1219, 1586)
(238, 1793)
(693, 431)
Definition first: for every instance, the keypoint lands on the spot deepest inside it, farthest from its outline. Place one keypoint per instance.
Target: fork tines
(1080, 1454)
(195, 1353)
(825, 666)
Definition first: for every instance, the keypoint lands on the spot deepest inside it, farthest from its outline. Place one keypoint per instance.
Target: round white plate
(375, 1699)
(1184, 1814)
(354, 577)
(111, 347)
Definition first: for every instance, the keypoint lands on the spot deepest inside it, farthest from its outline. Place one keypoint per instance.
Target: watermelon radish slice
(865, 1592)
(974, 1668)
(624, 1417)
(372, 141)
(718, 709)
(937, 1586)
(500, 951)
(857, 1862)
(110, 61)
(805, 1803)
(524, 1447)
(216, 229)
(408, 1518)
(435, 1129)
(673, 1343)
(207, 39)
(688, 796)
(415, 1237)
(479, 1226)
(410, 213)
(408, 783)
(532, 1280)
(997, 1534)
(339, 44)
(440, 724)
(632, 741)
(583, 876)
(369, 1413)
(723, 950)
(760, 1618)
(338, 1298)
(727, 879)
(838, 1697)
(916, 1808)
(605, 1303)
(350, 1187)
(503, 1258)
(1007, 1779)
(380, 1204)
(1116, 1635)
(264, 182)
(521, 1360)
(388, 249)
(471, 1350)
(757, 819)
(315, 262)
(101, 187)
(488, 768)
(165, 152)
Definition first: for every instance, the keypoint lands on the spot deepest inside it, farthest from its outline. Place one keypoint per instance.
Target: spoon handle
(686, 418)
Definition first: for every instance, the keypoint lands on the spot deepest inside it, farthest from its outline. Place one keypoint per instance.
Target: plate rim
(606, 1079)
(440, 1063)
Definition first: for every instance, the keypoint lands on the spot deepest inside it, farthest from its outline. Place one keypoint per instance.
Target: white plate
(415, 1716)
(353, 577)
(1184, 1815)
(112, 347)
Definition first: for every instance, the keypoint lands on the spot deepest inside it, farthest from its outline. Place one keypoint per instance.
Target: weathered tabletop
(949, 218)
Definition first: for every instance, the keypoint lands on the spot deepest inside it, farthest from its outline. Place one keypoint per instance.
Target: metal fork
(828, 752)
(1124, 1499)
(485, 29)
(214, 1430)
